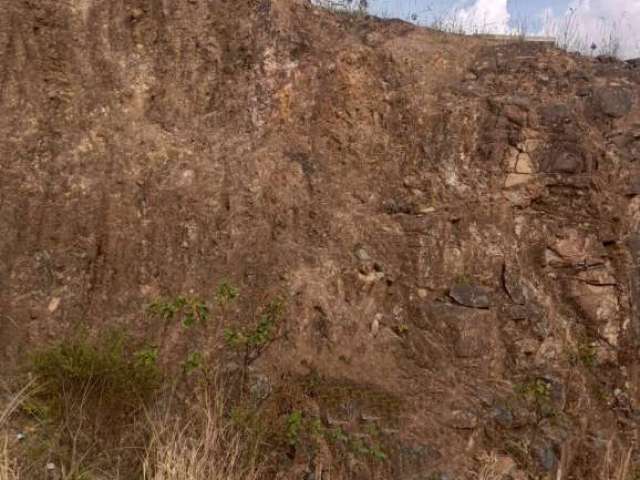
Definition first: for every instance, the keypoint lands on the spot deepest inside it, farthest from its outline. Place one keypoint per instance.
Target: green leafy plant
(337, 435)
(226, 293)
(147, 357)
(193, 362)
(401, 329)
(537, 392)
(376, 452)
(536, 389)
(584, 354)
(294, 426)
(252, 342)
(188, 310)
(356, 444)
(360, 447)
(316, 429)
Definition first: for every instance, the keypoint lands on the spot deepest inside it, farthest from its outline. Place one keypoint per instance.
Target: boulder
(564, 159)
(517, 179)
(555, 115)
(503, 416)
(614, 102)
(470, 295)
(524, 164)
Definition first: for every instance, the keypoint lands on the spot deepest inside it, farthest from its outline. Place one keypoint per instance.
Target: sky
(612, 25)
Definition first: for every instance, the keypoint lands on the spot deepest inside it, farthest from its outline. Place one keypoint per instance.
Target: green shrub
(91, 395)
(109, 368)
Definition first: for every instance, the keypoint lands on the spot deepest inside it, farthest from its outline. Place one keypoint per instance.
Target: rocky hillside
(452, 225)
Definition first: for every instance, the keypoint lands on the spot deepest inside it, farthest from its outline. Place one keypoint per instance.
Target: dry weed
(206, 447)
(8, 467)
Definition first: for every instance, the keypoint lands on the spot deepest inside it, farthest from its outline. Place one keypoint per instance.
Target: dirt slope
(454, 223)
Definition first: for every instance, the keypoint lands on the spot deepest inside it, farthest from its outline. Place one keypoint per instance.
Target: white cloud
(612, 25)
(485, 16)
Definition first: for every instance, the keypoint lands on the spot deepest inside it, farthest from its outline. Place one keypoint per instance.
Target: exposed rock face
(358, 168)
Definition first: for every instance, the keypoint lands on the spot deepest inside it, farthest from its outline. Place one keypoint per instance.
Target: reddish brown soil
(452, 222)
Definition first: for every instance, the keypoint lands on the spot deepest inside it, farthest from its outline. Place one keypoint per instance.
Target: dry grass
(100, 414)
(206, 447)
(616, 464)
(199, 444)
(8, 467)
(494, 467)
